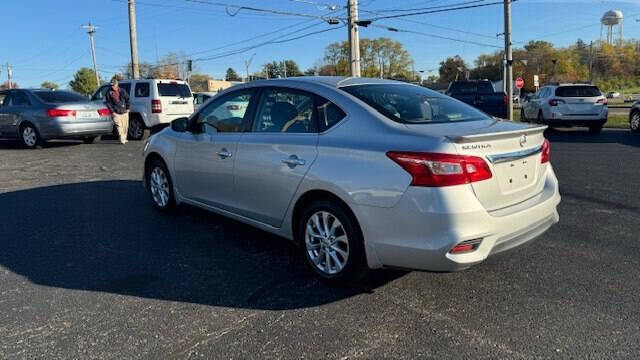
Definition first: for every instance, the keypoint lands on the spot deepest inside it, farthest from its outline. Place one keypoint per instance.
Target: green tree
(84, 81)
(452, 68)
(232, 75)
(199, 82)
(488, 66)
(49, 85)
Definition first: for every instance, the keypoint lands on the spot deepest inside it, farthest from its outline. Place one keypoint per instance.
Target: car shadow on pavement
(105, 236)
(620, 136)
(16, 145)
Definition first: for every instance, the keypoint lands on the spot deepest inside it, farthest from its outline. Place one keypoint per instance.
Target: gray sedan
(36, 115)
(360, 173)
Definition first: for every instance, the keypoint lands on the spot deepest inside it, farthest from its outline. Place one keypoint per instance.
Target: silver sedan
(360, 173)
(36, 115)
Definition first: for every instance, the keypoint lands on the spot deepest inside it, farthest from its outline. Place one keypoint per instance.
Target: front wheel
(595, 129)
(160, 186)
(30, 137)
(332, 243)
(634, 122)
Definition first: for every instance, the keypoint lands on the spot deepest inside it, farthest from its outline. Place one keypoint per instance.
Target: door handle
(224, 153)
(294, 161)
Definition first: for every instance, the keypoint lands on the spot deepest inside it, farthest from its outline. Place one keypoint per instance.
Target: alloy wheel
(635, 121)
(159, 186)
(326, 243)
(29, 136)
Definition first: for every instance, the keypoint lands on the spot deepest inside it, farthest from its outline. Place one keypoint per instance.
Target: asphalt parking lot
(89, 270)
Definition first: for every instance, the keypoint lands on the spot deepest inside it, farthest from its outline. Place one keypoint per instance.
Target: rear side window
(2, 97)
(58, 96)
(578, 91)
(328, 113)
(174, 89)
(142, 90)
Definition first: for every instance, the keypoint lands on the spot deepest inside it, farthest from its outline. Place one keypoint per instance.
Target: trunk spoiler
(460, 139)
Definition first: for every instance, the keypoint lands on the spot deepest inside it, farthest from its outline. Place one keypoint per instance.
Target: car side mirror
(180, 124)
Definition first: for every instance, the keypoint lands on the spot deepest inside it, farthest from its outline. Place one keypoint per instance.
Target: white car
(201, 97)
(567, 105)
(153, 102)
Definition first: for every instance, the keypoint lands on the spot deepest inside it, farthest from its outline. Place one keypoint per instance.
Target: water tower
(611, 19)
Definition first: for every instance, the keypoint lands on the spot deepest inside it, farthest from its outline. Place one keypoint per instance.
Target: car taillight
(104, 112)
(555, 102)
(435, 170)
(60, 112)
(156, 106)
(604, 101)
(546, 152)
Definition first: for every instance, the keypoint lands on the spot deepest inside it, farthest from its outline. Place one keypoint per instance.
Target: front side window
(226, 114)
(284, 110)
(3, 96)
(410, 104)
(142, 90)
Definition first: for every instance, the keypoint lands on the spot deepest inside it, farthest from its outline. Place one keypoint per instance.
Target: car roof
(332, 81)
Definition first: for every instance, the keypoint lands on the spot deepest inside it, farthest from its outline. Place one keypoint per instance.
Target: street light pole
(247, 63)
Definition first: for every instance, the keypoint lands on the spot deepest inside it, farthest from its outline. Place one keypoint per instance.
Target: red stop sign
(519, 83)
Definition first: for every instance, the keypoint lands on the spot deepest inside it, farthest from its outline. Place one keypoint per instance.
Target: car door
(275, 155)
(205, 157)
(5, 115)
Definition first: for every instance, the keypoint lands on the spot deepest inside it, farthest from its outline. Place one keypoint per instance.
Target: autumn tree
(199, 82)
(49, 85)
(453, 68)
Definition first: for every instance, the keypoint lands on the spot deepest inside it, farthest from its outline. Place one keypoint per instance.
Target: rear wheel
(160, 186)
(30, 137)
(634, 121)
(137, 129)
(332, 243)
(89, 139)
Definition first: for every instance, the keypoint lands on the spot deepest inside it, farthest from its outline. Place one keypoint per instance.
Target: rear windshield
(471, 87)
(578, 91)
(413, 104)
(59, 96)
(169, 89)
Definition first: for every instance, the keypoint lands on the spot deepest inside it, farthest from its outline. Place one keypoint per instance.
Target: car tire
(30, 137)
(595, 129)
(332, 243)
(634, 121)
(89, 139)
(160, 186)
(137, 129)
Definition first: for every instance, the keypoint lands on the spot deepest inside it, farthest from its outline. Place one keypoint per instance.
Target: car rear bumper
(420, 231)
(69, 129)
(560, 119)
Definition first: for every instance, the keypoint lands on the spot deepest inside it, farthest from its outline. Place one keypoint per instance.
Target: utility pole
(284, 65)
(247, 63)
(9, 75)
(92, 30)
(509, 57)
(354, 38)
(133, 37)
(591, 62)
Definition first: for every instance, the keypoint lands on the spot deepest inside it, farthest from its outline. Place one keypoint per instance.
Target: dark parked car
(481, 95)
(36, 115)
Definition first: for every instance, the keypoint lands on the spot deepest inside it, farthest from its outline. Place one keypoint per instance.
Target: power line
(239, 8)
(433, 11)
(429, 8)
(398, 30)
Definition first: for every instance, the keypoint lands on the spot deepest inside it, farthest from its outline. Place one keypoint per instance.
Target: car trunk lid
(512, 150)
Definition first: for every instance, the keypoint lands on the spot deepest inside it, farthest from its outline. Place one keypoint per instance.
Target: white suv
(567, 105)
(153, 102)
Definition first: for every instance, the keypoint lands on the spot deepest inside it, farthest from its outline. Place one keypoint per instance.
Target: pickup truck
(481, 95)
